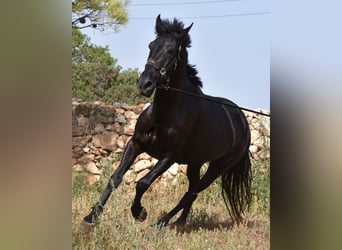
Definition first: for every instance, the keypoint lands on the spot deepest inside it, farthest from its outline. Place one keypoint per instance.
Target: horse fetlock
(97, 209)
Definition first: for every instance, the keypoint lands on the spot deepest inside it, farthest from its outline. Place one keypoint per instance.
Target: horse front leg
(131, 152)
(138, 211)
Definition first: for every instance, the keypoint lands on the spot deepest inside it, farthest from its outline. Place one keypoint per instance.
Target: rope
(211, 100)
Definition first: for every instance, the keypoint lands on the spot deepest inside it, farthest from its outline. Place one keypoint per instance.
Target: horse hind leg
(193, 174)
(214, 170)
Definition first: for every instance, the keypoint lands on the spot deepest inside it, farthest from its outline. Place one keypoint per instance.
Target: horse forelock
(167, 27)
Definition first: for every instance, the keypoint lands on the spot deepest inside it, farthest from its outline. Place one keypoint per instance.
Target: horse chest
(157, 141)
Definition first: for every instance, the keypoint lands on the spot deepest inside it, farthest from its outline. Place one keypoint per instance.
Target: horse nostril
(148, 84)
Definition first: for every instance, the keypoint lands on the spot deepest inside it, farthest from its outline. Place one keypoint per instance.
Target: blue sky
(230, 44)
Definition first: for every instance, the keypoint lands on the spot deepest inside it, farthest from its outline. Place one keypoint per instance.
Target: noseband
(163, 70)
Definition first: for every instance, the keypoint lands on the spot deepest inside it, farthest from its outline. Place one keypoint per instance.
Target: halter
(163, 70)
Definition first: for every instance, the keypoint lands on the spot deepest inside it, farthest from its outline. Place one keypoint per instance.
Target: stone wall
(100, 133)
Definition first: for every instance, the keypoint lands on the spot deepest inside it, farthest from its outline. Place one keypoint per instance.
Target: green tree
(99, 14)
(124, 89)
(96, 75)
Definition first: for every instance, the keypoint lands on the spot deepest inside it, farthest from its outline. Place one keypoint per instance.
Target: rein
(168, 88)
(163, 72)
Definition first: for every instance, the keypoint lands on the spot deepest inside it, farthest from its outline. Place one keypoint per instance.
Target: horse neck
(166, 102)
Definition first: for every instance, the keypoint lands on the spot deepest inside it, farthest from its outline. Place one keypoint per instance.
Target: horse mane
(193, 75)
(175, 27)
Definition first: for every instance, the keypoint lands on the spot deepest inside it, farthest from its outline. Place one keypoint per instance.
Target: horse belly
(205, 147)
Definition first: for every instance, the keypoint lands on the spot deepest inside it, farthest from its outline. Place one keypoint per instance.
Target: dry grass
(208, 225)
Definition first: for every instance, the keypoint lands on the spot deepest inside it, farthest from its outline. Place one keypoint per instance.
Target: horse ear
(186, 30)
(158, 21)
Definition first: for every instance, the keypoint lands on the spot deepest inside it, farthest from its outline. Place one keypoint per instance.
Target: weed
(208, 225)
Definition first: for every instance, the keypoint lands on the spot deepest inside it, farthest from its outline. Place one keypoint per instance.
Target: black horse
(184, 129)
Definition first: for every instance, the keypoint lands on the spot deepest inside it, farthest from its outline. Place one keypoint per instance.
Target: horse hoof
(179, 223)
(140, 215)
(86, 227)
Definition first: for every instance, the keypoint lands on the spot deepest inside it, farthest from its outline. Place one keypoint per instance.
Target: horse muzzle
(146, 84)
(145, 87)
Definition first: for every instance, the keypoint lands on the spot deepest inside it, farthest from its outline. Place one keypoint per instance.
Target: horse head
(165, 51)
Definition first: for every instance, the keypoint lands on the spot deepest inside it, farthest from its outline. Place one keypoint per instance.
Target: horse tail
(236, 188)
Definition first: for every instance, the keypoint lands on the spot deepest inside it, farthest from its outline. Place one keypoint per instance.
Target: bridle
(163, 71)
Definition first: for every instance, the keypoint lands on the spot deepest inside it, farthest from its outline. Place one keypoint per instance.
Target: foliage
(99, 14)
(96, 75)
(261, 185)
